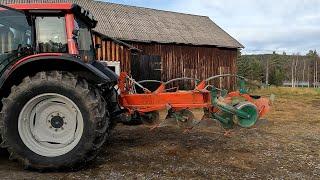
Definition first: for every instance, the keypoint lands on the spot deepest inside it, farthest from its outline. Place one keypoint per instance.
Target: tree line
(281, 69)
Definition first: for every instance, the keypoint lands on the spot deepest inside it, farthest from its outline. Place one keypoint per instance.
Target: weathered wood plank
(177, 60)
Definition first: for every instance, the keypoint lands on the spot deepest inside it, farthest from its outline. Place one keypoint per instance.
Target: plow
(228, 108)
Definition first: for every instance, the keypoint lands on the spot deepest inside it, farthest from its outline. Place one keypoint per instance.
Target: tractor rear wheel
(54, 121)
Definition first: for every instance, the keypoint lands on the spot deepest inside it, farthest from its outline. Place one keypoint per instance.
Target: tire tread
(94, 101)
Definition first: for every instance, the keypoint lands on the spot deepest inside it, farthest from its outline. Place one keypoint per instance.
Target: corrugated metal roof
(149, 25)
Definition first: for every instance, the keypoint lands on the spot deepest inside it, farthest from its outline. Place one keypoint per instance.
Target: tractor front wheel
(53, 121)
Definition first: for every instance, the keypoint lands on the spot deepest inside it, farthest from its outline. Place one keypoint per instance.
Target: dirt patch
(285, 146)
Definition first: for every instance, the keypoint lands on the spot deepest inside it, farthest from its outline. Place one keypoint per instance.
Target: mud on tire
(85, 97)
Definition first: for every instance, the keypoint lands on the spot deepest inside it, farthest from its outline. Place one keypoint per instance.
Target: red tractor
(55, 98)
(59, 104)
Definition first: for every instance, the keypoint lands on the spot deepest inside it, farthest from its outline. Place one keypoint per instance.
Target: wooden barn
(159, 45)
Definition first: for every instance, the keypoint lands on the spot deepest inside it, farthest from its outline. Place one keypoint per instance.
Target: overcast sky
(260, 25)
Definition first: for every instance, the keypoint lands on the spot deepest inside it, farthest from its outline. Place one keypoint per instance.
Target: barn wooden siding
(198, 62)
(112, 51)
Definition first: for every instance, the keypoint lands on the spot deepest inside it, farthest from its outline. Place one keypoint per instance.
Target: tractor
(58, 104)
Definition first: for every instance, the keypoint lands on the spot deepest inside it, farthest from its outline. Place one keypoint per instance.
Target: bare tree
(304, 69)
(267, 72)
(295, 71)
(308, 75)
(292, 73)
(316, 60)
(315, 73)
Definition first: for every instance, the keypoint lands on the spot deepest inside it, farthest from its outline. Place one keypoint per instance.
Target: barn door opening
(147, 67)
(150, 67)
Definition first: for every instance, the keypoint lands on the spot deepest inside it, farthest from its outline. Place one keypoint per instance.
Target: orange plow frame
(159, 100)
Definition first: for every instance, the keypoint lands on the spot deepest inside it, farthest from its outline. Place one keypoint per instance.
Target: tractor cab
(27, 29)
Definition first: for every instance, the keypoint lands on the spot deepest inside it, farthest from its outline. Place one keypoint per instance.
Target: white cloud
(291, 25)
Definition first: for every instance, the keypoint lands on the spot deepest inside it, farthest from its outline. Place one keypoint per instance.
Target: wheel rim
(251, 110)
(50, 125)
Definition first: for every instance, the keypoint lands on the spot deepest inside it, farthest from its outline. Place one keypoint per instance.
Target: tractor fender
(94, 71)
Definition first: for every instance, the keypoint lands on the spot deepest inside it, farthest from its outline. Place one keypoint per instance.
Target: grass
(300, 105)
(289, 92)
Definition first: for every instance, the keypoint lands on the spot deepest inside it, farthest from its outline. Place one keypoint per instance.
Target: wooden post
(108, 51)
(104, 58)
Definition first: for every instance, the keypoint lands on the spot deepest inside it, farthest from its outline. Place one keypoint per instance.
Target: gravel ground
(285, 146)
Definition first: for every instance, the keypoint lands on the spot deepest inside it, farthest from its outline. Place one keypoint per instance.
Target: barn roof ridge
(148, 8)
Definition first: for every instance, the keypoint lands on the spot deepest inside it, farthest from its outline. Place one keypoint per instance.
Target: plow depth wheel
(251, 110)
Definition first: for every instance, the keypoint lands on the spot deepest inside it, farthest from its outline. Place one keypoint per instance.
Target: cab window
(84, 41)
(51, 35)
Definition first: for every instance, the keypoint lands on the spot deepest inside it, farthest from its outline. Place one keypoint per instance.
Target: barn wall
(112, 51)
(198, 62)
(193, 61)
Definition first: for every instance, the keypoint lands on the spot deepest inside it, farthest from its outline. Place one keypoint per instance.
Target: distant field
(286, 91)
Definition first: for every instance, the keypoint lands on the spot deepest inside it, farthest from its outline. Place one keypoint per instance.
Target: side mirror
(98, 46)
